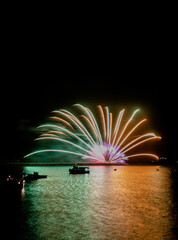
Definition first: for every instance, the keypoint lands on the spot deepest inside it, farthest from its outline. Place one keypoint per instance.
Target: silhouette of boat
(34, 176)
(79, 170)
(11, 185)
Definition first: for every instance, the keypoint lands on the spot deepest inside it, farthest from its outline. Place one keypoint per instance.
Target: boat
(11, 185)
(34, 176)
(79, 170)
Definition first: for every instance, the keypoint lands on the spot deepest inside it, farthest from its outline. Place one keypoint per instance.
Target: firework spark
(101, 141)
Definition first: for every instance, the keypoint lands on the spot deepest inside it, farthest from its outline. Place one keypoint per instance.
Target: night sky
(43, 71)
(30, 101)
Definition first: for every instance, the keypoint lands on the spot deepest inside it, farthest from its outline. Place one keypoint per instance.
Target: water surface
(134, 202)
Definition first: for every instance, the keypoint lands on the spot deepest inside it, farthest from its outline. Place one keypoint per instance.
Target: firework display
(103, 140)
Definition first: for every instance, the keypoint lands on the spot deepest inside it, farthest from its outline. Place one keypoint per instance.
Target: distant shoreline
(62, 164)
(71, 164)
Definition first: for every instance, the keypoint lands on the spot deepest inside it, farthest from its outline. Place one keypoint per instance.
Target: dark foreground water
(134, 202)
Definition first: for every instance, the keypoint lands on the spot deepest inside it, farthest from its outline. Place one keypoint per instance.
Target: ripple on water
(130, 203)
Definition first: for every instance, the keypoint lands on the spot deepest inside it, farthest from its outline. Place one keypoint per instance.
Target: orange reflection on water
(131, 202)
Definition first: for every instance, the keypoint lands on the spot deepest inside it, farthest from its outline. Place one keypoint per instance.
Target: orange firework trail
(101, 141)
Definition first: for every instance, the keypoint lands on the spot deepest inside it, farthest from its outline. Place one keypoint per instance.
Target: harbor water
(110, 203)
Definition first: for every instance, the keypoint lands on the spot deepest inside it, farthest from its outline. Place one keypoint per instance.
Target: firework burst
(90, 139)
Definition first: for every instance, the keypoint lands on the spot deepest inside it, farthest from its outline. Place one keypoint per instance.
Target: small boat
(34, 176)
(79, 170)
(11, 185)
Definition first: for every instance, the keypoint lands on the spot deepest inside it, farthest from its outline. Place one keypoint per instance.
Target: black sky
(28, 101)
(44, 69)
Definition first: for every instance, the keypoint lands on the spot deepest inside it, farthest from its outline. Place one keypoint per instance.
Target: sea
(110, 203)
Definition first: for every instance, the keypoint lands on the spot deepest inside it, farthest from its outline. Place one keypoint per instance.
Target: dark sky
(44, 69)
(28, 100)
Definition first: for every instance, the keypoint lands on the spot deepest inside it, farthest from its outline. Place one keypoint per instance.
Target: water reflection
(134, 202)
(174, 194)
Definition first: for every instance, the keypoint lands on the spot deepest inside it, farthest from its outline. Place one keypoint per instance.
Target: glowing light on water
(101, 141)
